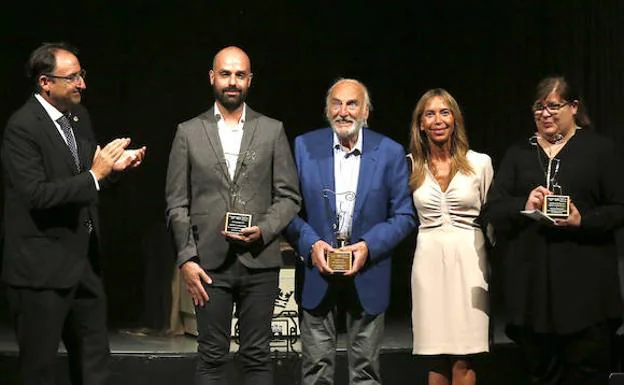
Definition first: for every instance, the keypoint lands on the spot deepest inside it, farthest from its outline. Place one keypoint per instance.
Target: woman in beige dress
(449, 272)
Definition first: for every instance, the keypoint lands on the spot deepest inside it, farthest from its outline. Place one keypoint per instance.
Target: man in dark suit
(231, 158)
(354, 184)
(53, 170)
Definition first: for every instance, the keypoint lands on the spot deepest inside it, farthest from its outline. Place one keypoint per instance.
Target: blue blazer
(383, 214)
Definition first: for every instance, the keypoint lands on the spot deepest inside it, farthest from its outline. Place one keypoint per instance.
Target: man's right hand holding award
(319, 249)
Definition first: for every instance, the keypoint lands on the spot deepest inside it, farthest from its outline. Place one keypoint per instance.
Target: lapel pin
(75, 118)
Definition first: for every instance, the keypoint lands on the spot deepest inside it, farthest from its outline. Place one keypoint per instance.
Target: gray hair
(367, 100)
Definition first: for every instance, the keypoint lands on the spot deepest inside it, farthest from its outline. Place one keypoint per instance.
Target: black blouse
(560, 280)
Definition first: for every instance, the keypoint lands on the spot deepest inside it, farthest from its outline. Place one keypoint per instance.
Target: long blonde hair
(419, 143)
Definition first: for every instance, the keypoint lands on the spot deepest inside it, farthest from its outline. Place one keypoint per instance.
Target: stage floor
(163, 360)
(397, 337)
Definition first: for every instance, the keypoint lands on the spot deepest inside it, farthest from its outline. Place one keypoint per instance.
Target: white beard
(348, 132)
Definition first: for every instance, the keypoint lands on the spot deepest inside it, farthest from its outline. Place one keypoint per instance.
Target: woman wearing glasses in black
(555, 203)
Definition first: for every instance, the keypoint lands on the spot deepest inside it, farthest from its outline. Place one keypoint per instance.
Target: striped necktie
(63, 121)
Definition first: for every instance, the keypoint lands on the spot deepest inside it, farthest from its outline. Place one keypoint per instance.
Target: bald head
(231, 53)
(230, 78)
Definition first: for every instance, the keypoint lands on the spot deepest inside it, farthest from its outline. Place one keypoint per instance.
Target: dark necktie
(63, 121)
(355, 152)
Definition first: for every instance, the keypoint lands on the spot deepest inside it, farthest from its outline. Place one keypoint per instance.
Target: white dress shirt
(231, 137)
(55, 115)
(346, 174)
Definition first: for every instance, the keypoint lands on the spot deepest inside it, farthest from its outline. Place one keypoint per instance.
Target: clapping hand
(130, 159)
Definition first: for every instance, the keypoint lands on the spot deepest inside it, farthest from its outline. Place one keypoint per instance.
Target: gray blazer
(198, 189)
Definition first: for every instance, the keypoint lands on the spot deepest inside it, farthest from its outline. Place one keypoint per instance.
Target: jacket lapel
(53, 134)
(367, 171)
(324, 151)
(246, 153)
(212, 134)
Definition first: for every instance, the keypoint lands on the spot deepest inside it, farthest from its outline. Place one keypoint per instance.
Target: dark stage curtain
(148, 67)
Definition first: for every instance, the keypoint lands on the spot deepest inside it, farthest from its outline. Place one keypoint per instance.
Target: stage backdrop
(148, 65)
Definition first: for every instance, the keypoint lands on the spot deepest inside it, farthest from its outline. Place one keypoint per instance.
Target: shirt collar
(218, 117)
(357, 148)
(50, 109)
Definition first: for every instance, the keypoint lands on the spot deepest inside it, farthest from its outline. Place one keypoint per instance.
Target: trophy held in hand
(556, 205)
(237, 217)
(340, 260)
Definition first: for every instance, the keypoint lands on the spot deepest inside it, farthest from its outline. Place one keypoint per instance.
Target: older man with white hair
(356, 209)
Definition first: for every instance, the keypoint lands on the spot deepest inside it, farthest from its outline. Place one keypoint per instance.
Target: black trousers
(77, 316)
(254, 292)
(581, 358)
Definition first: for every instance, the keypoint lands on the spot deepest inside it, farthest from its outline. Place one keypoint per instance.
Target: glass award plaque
(237, 217)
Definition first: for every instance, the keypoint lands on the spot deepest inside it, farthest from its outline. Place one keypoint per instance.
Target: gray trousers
(318, 340)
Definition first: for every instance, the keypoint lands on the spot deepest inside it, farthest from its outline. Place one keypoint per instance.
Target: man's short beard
(229, 104)
(355, 128)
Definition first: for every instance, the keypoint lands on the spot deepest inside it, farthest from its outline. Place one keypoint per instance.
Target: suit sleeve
(23, 161)
(177, 195)
(384, 236)
(299, 233)
(286, 197)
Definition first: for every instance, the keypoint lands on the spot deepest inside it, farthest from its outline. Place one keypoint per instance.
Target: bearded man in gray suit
(231, 159)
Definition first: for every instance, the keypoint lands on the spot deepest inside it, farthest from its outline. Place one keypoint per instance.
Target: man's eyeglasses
(552, 108)
(73, 78)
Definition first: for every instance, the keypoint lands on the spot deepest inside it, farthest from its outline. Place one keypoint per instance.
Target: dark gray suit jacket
(198, 189)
